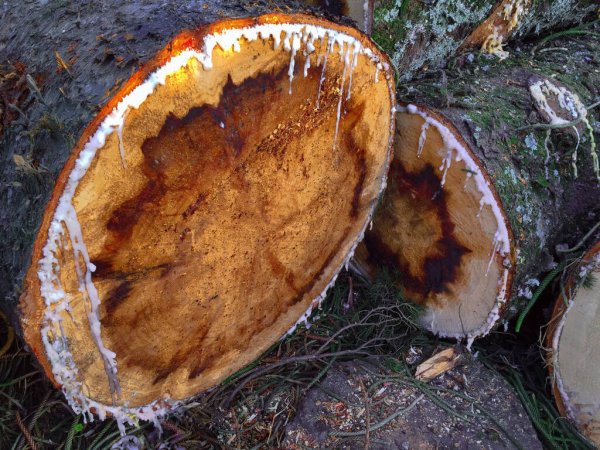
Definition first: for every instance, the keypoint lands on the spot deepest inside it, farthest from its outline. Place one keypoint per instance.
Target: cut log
(206, 207)
(477, 198)
(573, 339)
(422, 35)
(519, 18)
(442, 226)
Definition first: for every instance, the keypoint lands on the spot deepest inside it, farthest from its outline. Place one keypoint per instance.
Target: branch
(383, 423)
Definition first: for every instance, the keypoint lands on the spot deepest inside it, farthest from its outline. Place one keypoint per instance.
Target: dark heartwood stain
(439, 269)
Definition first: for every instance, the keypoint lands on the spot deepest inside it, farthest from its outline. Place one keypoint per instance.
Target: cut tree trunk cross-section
(499, 168)
(205, 209)
(442, 226)
(573, 337)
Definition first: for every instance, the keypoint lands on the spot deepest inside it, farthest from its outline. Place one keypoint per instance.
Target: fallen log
(572, 339)
(519, 18)
(421, 35)
(206, 207)
(486, 180)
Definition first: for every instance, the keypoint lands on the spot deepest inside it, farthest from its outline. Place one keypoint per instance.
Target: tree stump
(206, 207)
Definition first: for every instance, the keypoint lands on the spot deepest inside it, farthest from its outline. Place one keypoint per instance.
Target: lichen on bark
(419, 34)
(541, 17)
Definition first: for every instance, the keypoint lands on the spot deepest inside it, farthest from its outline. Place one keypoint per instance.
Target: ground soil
(339, 403)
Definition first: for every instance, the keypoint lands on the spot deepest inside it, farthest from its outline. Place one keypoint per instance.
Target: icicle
(121, 426)
(574, 155)
(446, 163)
(306, 65)
(570, 102)
(292, 45)
(327, 51)
(310, 43)
(422, 138)
(354, 63)
(287, 40)
(496, 247)
(86, 286)
(121, 147)
(339, 108)
(470, 341)
(276, 39)
(547, 159)
(320, 55)
(481, 205)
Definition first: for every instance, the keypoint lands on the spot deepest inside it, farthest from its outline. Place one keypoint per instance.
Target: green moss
(390, 23)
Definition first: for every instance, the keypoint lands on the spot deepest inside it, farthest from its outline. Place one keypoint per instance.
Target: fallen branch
(381, 424)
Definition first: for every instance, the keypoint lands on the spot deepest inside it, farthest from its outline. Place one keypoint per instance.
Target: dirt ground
(468, 407)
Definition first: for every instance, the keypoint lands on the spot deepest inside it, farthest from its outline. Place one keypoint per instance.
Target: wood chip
(62, 65)
(438, 364)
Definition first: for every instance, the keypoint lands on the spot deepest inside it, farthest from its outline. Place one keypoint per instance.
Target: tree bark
(361, 11)
(421, 36)
(437, 223)
(573, 355)
(521, 18)
(191, 224)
